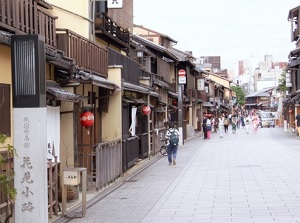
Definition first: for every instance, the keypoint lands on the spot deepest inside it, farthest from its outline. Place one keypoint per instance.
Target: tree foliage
(6, 177)
(240, 95)
(282, 83)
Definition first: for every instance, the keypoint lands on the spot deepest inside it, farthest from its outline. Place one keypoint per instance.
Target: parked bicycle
(163, 149)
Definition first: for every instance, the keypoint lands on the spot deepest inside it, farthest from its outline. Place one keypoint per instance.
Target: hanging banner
(133, 122)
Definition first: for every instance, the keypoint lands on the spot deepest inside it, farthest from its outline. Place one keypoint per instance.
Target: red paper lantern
(146, 110)
(174, 102)
(87, 119)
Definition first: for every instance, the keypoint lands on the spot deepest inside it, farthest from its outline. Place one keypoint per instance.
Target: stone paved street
(238, 178)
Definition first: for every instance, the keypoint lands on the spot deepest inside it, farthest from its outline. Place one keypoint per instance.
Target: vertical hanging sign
(200, 84)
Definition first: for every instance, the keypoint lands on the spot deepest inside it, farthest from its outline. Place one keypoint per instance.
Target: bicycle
(163, 149)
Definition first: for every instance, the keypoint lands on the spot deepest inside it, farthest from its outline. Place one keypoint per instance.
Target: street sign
(181, 73)
(181, 77)
(114, 4)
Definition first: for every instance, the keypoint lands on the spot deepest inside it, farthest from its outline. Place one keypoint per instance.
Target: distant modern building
(212, 64)
(254, 75)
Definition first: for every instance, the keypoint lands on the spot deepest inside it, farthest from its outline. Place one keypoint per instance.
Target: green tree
(240, 95)
(282, 82)
(7, 175)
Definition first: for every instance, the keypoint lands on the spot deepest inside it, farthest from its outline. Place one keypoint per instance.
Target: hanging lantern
(87, 119)
(290, 111)
(174, 102)
(146, 110)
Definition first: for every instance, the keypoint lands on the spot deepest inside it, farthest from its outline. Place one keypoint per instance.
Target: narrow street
(238, 178)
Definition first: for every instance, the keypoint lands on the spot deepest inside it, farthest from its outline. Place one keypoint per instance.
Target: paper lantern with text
(87, 119)
(146, 110)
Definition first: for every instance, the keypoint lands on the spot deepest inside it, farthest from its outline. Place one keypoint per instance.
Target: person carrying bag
(208, 128)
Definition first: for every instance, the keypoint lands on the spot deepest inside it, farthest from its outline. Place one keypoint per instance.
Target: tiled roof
(261, 93)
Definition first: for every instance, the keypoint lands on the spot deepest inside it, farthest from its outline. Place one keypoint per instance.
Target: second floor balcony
(106, 28)
(293, 17)
(88, 56)
(25, 17)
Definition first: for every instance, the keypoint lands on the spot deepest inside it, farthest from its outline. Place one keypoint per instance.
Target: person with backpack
(172, 136)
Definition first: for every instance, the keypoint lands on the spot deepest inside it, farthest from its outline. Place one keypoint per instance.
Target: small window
(5, 109)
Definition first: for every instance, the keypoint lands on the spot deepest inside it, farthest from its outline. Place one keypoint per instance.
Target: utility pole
(181, 82)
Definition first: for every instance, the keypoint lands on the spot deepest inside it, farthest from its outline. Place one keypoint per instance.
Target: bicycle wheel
(163, 151)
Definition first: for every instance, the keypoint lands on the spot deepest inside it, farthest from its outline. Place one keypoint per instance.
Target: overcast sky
(233, 29)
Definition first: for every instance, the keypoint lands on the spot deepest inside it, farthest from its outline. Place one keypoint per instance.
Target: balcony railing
(24, 17)
(295, 35)
(87, 55)
(105, 25)
(130, 71)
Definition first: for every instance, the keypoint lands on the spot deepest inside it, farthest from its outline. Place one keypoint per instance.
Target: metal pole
(148, 129)
(180, 114)
(284, 113)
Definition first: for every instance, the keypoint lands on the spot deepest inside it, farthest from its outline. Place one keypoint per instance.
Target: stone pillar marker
(30, 134)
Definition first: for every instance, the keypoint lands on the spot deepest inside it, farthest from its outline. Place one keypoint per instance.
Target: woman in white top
(208, 127)
(247, 123)
(221, 125)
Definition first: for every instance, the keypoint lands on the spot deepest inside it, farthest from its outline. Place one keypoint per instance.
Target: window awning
(173, 95)
(131, 87)
(160, 83)
(135, 100)
(161, 102)
(102, 82)
(86, 78)
(58, 93)
(154, 94)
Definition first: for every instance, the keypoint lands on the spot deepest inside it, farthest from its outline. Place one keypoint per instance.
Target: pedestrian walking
(255, 122)
(226, 124)
(238, 121)
(233, 123)
(172, 136)
(243, 121)
(215, 124)
(229, 117)
(221, 125)
(208, 127)
(297, 124)
(247, 123)
(204, 127)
